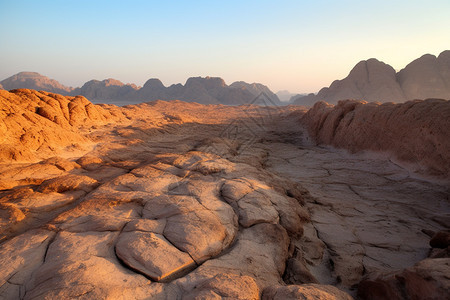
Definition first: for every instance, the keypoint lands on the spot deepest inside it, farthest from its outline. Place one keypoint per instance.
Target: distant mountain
(197, 89)
(373, 80)
(256, 89)
(34, 81)
(207, 90)
(427, 77)
(286, 96)
(307, 100)
(1, 87)
(204, 90)
(108, 89)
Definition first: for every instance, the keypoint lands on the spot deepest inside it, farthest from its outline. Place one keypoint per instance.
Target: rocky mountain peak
(373, 80)
(369, 68)
(256, 89)
(112, 82)
(206, 90)
(444, 58)
(35, 81)
(154, 83)
(206, 82)
(24, 75)
(426, 77)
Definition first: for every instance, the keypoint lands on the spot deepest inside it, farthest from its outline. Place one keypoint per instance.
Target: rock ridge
(413, 132)
(204, 90)
(372, 80)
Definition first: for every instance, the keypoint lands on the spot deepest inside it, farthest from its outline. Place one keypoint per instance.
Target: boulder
(153, 255)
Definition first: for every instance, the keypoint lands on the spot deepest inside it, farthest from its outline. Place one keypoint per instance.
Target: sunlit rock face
(34, 124)
(172, 200)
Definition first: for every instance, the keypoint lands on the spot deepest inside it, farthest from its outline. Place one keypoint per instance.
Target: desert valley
(213, 191)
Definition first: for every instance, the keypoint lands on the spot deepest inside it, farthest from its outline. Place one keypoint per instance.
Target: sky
(300, 46)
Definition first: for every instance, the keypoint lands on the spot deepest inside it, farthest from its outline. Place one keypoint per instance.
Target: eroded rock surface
(306, 291)
(427, 279)
(370, 213)
(413, 132)
(167, 206)
(34, 124)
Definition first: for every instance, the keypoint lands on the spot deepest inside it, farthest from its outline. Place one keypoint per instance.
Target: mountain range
(372, 80)
(204, 90)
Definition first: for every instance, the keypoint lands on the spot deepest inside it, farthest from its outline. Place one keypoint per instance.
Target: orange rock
(38, 124)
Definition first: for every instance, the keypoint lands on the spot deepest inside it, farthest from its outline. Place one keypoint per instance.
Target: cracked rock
(153, 255)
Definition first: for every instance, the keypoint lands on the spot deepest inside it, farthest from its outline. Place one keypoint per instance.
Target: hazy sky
(296, 45)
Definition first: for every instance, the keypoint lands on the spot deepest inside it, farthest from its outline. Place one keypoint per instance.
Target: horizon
(285, 46)
(226, 82)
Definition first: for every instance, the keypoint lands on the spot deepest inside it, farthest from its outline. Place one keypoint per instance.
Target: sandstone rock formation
(164, 217)
(207, 90)
(142, 214)
(182, 200)
(106, 90)
(372, 80)
(306, 291)
(440, 240)
(427, 279)
(426, 77)
(414, 132)
(33, 124)
(256, 89)
(35, 81)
